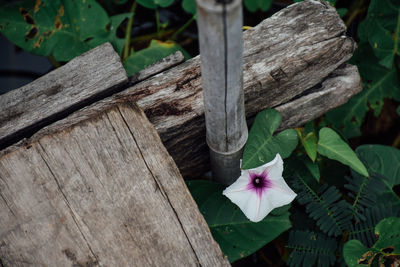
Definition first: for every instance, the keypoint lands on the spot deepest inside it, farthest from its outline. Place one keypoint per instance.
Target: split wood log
(293, 61)
(102, 193)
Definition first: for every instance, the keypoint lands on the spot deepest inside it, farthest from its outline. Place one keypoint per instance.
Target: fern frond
(363, 191)
(325, 206)
(364, 230)
(309, 249)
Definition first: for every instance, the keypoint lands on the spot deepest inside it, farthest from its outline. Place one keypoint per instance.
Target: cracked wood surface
(293, 61)
(104, 193)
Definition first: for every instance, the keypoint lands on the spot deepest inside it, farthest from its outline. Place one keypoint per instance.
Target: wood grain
(85, 77)
(104, 192)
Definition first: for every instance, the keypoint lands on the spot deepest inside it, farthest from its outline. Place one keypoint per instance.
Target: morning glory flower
(258, 191)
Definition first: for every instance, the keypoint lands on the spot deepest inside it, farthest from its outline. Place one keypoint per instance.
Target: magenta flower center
(259, 183)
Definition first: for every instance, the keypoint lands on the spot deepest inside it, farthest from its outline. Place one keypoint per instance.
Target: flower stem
(128, 31)
(184, 26)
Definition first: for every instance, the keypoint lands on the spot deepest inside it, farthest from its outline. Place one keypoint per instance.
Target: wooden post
(221, 50)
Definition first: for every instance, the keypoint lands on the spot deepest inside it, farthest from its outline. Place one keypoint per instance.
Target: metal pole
(221, 50)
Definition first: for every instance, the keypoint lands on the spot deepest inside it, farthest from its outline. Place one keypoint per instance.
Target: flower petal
(276, 164)
(275, 169)
(248, 203)
(278, 198)
(240, 184)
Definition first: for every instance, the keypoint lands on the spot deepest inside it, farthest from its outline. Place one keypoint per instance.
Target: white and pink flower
(260, 190)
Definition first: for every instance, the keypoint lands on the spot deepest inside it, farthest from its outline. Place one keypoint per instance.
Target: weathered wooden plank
(306, 40)
(163, 169)
(83, 78)
(341, 84)
(104, 192)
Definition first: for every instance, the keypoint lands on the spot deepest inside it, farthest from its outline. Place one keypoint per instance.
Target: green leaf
(253, 5)
(309, 143)
(54, 27)
(189, 6)
(111, 36)
(398, 110)
(153, 4)
(387, 246)
(150, 55)
(381, 29)
(332, 146)
(262, 146)
(378, 83)
(236, 235)
(383, 160)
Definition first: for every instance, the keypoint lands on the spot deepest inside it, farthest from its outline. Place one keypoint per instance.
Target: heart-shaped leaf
(262, 146)
(60, 28)
(236, 235)
(332, 146)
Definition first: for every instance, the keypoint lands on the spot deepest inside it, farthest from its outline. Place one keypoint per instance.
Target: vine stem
(355, 10)
(184, 26)
(54, 62)
(128, 31)
(158, 23)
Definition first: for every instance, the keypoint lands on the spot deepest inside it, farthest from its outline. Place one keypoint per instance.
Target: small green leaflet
(262, 146)
(64, 29)
(150, 55)
(388, 244)
(236, 235)
(332, 146)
